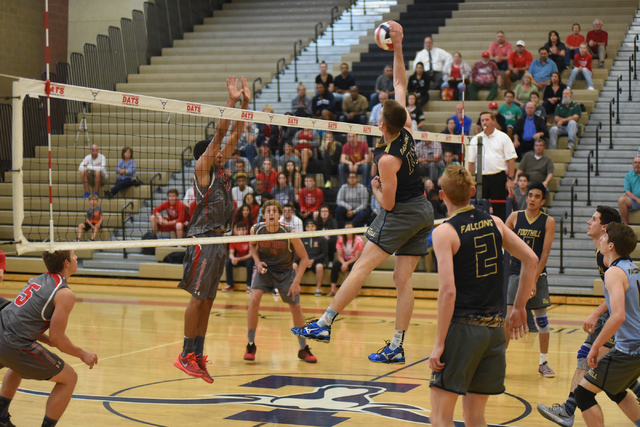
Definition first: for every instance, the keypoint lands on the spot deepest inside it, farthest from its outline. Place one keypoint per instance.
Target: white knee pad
(541, 320)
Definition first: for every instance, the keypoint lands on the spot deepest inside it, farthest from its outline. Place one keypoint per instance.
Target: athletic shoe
(202, 363)
(276, 292)
(108, 194)
(6, 422)
(250, 354)
(386, 355)
(331, 294)
(318, 293)
(96, 193)
(227, 288)
(312, 331)
(305, 354)
(570, 145)
(556, 413)
(189, 365)
(248, 289)
(591, 88)
(86, 195)
(327, 184)
(546, 370)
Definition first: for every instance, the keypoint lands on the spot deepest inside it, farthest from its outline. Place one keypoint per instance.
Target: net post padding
(17, 165)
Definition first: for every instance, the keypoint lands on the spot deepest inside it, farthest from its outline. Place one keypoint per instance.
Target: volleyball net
(96, 136)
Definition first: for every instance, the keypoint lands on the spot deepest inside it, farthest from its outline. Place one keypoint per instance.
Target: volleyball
(383, 36)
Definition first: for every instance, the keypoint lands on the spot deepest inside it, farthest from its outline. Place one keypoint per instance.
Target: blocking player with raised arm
(213, 216)
(45, 303)
(403, 225)
(563, 414)
(537, 229)
(618, 369)
(470, 303)
(274, 270)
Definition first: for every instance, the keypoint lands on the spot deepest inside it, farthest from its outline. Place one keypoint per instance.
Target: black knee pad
(617, 397)
(585, 399)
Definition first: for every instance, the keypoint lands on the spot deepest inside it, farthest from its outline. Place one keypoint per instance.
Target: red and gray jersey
(214, 205)
(30, 313)
(278, 254)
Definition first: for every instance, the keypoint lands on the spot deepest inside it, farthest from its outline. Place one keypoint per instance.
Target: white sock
(397, 340)
(543, 358)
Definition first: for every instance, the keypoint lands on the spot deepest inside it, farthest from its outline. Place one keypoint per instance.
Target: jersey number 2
(486, 255)
(26, 294)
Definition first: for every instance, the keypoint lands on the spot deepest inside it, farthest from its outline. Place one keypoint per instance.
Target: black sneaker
(108, 194)
(6, 422)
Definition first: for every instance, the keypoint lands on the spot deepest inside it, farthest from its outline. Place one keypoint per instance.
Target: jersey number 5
(486, 255)
(26, 294)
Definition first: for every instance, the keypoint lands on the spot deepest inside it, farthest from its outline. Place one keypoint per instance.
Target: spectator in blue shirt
(631, 199)
(542, 68)
(459, 120)
(323, 105)
(125, 171)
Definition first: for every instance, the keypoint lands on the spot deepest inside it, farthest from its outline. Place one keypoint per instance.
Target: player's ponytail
(457, 183)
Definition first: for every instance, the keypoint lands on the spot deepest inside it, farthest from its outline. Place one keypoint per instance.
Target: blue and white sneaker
(386, 355)
(312, 331)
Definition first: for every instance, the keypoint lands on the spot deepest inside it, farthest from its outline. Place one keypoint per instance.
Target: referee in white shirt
(434, 60)
(498, 162)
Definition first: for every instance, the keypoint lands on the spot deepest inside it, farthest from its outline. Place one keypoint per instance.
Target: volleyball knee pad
(541, 320)
(585, 399)
(582, 356)
(617, 397)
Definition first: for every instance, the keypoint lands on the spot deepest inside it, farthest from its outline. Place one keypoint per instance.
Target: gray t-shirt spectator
(384, 84)
(537, 168)
(353, 198)
(283, 159)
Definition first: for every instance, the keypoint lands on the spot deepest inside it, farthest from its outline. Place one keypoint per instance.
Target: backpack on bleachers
(149, 235)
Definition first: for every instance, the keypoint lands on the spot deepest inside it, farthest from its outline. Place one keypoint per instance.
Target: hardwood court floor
(137, 334)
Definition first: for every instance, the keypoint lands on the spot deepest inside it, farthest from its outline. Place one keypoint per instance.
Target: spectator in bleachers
(501, 122)
(572, 44)
(384, 83)
(250, 201)
(355, 158)
(239, 256)
(528, 129)
(566, 115)
(268, 175)
(520, 193)
(268, 133)
(519, 62)
(537, 165)
(311, 198)
(419, 84)
(447, 160)
(290, 219)
(434, 60)
(323, 105)
(301, 104)
(552, 95)
(327, 222)
(500, 50)
(459, 120)
(324, 78)
(348, 250)
(484, 76)
(582, 61)
(542, 68)
(259, 193)
(329, 156)
(306, 143)
(343, 81)
(439, 208)
(429, 159)
(93, 219)
(539, 110)
(416, 113)
(375, 209)
(190, 195)
(287, 156)
(246, 146)
(244, 215)
(597, 40)
(455, 73)
(524, 90)
(242, 189)
(265, 153)
(557, 50)
(510, 111)
(93, 171)
(354, 107)
(176, 215)
(316, 248)
(375, 111)
(456, 149)
(231, 167)
(294, 178)
(287, 133)
(283, 192)
(125, 171)
(353, 199)
(631, 199)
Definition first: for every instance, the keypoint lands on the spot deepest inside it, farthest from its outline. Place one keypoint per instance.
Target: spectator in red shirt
(572, 43)
(268, 175)
(355, 158)
(176, 215)
(311, 198)
(239, 256)
(484, 75)
(519, 62)
(582, 62)
(597, 40)
(500, 50)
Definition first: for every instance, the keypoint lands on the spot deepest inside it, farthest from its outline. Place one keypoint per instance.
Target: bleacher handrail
(589, 169)
(255, 93)
(295, 59)
(321, 25)
(182, 166)
(598, 127)
(574, 197)
(124, 225)
(333, 20)
(282, 61)
(152, 190)
(563, 231)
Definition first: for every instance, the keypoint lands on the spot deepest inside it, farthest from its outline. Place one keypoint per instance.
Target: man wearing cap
(519, 62)
(484, 75)
(541, 69)
(500, 50)
(501, 122)
(434, 60)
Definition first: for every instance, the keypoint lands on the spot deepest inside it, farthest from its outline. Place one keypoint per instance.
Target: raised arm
(399, 72)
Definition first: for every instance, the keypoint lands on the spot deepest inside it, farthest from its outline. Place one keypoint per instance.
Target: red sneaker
(250, 354)
(189, 365)
(305, 354)
(202, 364)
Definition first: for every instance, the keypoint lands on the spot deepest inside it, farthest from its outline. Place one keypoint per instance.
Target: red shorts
(170, 227)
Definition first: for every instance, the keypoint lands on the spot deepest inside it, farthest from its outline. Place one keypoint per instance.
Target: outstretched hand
(245, 92)
(395, 33)
(232, 86)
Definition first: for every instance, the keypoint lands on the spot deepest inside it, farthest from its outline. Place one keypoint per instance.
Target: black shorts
(202, 268)
(538, 301)
(33, 362)
(615, 373)
(313, 267)
(87, 226)
(591, 338)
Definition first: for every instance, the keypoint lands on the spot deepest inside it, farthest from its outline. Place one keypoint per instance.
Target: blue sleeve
(332, 103)
(132, 171)
(119, 166)
(627, 182)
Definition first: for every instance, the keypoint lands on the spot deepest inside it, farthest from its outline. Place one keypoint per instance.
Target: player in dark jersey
(213, 216)
(45, 303)
(537, 229)
(274, 270)
(468, 357)
(403, 225)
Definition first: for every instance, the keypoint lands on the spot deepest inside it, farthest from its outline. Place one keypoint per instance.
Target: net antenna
(48, 92)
